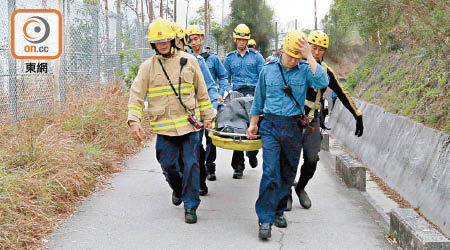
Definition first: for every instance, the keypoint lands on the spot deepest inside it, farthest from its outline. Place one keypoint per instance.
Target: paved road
(136, 213)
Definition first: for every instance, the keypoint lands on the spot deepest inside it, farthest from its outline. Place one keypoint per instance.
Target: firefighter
(280, 96)
(182, 38)
(177, 97)
(251, 43)
(319, 42)
(243, 66)
(220, 76)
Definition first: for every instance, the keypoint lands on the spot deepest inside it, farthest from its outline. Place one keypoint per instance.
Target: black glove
(359, 126)
(322, 125)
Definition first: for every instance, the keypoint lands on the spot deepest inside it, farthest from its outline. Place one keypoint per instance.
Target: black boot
(176, 200)
(203, 189)
(190, 216)
(280, 221)
(211, 177)
(265, 231)
(304, 199)
(239, 171)
(253, 162)
(289, 203)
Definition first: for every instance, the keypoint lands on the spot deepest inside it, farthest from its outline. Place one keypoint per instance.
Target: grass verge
(409, 82)
(49, 164)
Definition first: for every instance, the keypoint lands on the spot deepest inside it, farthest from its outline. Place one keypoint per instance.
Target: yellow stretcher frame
(233, 141)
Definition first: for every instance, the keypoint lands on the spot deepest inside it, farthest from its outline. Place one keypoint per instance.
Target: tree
(149, 4)
(200, 19)
(258, 17)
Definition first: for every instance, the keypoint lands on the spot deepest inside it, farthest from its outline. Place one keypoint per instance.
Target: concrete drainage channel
(408, 228)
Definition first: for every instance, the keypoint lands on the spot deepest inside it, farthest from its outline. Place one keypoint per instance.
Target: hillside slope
(406, 82)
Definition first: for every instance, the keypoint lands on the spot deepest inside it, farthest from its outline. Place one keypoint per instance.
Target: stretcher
(234, 141)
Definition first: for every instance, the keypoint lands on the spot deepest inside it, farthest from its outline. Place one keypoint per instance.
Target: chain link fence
(90, 57)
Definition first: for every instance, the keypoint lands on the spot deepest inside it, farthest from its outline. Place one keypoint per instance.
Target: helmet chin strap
(166, 55)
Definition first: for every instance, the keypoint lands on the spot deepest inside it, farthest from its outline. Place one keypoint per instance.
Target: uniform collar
(247, 51)
(279, 62)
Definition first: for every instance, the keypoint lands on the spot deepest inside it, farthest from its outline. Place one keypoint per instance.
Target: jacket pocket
(188, 99)
(187, 76)
(157, 107)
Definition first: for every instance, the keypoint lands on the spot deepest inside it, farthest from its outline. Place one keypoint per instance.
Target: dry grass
(402, 203)
(49, 164)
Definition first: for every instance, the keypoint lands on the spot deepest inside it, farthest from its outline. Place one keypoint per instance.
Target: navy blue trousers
(281, 140)
(179, 157)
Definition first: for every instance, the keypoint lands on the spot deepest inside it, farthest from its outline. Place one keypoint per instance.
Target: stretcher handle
(229, 134)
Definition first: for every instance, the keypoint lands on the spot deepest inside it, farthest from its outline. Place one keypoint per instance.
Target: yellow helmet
(180, 32)
(319, 38)
(160, 30)
(289, 43)
(241, 31)
(251, 42)
(194, 30)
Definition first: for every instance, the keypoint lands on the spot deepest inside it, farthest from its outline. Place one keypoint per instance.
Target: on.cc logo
(36, 29)
(36, 34)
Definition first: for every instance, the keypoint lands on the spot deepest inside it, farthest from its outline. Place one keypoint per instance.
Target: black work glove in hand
(359, 126)
(322, 125)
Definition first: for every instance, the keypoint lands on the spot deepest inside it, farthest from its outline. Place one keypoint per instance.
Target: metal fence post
(96, 47)
(12, 70)
(119, 43)
(63, 68)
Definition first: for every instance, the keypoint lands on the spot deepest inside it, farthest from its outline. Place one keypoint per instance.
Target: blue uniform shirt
(269, 95)
(243, 71)
(213, 92)
(218, 72)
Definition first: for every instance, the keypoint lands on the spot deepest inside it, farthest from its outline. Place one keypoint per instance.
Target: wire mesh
(90, 57)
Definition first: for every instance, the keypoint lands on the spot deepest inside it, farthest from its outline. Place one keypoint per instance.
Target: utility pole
(315, 14)
(187, 11)
(206, 17)
(223, 7)
(276, 36)
(175, 10)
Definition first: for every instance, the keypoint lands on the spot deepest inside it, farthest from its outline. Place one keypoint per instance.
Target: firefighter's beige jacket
(167, 115)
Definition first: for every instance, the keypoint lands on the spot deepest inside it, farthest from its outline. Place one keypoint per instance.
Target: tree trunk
(150, 16)
(142, 11)
(175, 10)
(167, 9)
(118, 7)
(161, 9)
(137, 10)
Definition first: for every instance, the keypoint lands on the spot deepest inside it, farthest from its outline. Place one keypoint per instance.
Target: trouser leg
(251, 154)
(267, 201)
(237, 161)
(202, 165)
(168, 152)
(191, 171)
(311, 148)
(211, 154)
(289, 159)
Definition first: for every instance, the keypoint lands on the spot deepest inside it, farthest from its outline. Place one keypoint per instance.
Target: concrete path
(136, 213)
